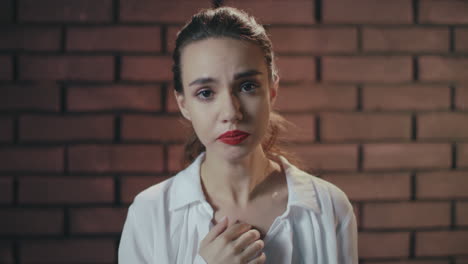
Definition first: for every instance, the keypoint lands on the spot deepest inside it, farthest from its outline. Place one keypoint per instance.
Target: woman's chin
(233, 152)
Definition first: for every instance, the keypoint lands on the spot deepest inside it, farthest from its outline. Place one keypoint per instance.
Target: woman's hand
(236, 244)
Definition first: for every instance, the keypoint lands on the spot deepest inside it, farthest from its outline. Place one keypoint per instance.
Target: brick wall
(379, 87)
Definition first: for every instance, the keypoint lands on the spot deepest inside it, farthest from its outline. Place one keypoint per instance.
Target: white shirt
(167, 221)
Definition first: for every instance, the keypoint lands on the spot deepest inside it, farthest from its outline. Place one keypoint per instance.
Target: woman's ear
(180, 98)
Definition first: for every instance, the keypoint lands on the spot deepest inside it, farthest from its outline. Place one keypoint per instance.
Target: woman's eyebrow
(202, 81)
(239, 75)
(247, 73)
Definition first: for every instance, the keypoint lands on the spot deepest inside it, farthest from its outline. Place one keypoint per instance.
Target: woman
(241, 200)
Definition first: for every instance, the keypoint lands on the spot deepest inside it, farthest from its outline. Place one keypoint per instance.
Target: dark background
(87, 118)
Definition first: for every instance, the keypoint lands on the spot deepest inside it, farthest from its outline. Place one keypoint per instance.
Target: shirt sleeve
(134, 245)
(347, 240)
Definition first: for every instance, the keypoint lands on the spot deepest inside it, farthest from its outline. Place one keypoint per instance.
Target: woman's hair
(237, 24)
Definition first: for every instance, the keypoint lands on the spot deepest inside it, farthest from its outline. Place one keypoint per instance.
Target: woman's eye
(249, 86)
(204, 94)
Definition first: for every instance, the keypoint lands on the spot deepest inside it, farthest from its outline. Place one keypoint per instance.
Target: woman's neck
(236, 183)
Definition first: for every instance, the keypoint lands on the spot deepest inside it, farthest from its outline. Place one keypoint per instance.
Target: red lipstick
(233, 137)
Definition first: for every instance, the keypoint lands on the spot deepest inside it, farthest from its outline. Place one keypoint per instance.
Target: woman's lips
(234, 137)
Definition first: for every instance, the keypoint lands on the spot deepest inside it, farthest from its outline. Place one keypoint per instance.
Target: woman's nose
(231, 108)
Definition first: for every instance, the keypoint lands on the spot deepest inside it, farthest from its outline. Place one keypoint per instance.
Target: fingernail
(223, 218)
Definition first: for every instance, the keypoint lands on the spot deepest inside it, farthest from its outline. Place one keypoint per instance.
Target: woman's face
(226, 87)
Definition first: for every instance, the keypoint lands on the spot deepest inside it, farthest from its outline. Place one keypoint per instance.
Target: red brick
(98, 68)
(6, 191)
(406, 97)
(435, 68)
(462, 155)
(17, 221)
(40, 159)
(443, 12)
(147, 68)
(367, 69)
(133, 185)
(442, 185)
(273, 12)
(176, 155)
(316, 40)
(333, 157)
(412, 39)
(116, 158)
(29, 38)
(407, 215)
(302, 127)
(6, 248)
(65, 11)
(394, 186)
(159, 128)
(448, 125)
(66, 251)
(296, 68)
(462, 213)
(461, 99)
(6, 129)
(114, 98)
(383, 244)
(461, 39)
(120, 38)
(367, 11)
(6, 15)
(310, 96)
(6, 70)
(97, 220)
(407, 156)
(161, 11)
(40, 97)
(364, 126)
(66, 128)
(66, 190)
(441, 243)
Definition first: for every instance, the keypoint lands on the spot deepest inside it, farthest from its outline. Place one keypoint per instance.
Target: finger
(234, 231)
(259, 260)
(247, 238)
(253, 250)
(216, 230)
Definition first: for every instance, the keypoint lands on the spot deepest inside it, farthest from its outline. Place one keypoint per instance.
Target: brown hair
(237, 24)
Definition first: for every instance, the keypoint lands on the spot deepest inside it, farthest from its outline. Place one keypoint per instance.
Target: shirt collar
(187, 187)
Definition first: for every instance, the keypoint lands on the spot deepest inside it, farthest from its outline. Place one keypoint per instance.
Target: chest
(260, 214)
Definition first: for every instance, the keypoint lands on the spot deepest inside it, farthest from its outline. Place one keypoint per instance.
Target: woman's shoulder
(166, 194)
(155, 192)
(335, 192)
(172, 188)
(327, 193)
(314, 186)
(156, 197)
(321, 186)
(340, 203)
